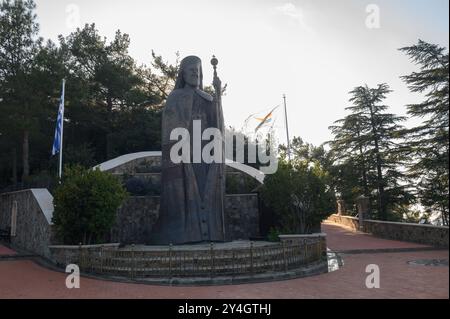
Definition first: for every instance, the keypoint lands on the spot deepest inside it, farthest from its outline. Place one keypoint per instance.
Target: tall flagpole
(287, 129)
(62, 129)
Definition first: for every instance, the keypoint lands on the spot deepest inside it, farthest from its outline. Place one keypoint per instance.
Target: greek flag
(57, 143)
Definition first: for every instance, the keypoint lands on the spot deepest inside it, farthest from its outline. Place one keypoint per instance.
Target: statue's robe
(192, 194)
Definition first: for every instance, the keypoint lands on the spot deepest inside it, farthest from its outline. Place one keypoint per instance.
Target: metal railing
(212, 262)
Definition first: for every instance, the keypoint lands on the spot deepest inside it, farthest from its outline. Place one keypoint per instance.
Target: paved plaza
(22, 278)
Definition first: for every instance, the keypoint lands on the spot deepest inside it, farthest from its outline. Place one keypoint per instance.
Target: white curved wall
(106, 166)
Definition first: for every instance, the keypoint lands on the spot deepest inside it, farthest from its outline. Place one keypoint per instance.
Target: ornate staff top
(217, 84)
(214, 63)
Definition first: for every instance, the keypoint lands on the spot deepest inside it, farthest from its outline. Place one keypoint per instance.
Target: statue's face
(191, 74)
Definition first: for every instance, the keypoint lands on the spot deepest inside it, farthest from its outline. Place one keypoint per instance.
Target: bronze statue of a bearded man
(192, 190)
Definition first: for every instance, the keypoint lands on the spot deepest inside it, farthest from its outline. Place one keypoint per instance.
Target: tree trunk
(364, 174)
(25, 155)
(14, 166)
(381, 204)
(363, 167)
(444, 216)
(109, 127)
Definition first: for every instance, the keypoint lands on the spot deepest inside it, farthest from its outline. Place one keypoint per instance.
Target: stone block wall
(304, 239)
(348, 221)
(138, 215)
(63, 255)
(135, 220)
(33, 227)
(318, 240)
(436, 236)
(242, 216)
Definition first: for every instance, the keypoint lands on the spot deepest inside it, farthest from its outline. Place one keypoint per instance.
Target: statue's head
(190, 73)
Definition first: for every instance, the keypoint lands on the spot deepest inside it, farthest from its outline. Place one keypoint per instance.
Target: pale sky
(314, 51)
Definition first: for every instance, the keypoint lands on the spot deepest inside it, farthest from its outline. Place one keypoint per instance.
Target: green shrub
(299, 195)
(86, 205)
(273, 235)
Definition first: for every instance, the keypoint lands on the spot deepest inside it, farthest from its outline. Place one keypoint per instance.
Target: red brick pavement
(25, 279)
(340, 238)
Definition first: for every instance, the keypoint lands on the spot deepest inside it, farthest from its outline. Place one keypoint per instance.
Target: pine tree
(368, 137)
(109, 74)
(428, 143)
(349, 144)
(19, 44)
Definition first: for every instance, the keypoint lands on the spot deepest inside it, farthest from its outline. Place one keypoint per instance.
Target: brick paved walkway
(340, 238)
(25, 279)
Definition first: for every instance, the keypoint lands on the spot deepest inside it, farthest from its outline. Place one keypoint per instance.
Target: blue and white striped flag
(57, 143)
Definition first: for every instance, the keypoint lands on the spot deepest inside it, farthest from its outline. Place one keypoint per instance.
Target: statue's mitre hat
(190, 60)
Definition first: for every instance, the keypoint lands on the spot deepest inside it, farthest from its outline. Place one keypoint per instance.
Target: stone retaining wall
(436, 236)
(33, 226)
(63, 255)
(135, 220)
(138, 215)
(306, 239)
(348, 221)
(242, 216)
